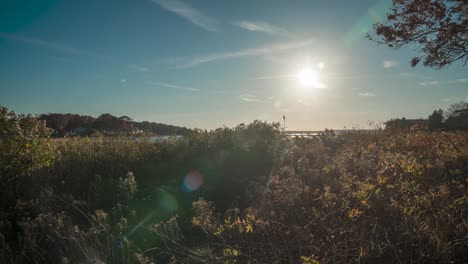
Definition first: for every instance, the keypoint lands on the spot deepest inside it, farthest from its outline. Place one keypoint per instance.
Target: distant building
(404, 123)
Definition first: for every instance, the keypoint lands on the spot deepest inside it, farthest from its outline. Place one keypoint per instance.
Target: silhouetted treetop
(436, 120)
(71, 124)
(439, 28)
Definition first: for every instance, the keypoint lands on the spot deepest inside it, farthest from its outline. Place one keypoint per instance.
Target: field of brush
(249, 194)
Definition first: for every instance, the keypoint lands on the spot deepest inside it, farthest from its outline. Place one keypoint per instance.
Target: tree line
(84, 125)
(454, 118)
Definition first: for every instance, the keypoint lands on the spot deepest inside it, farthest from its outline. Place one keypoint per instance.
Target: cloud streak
(432, 83)
(304, 102)
(252, 52)
(429, 83)
(387, 64)
(47, 44)
(249, 98)
(459, 81)
(138, 68)
(260, 26)
(367, 94)
(188, 13)
(65, 49)
(271, 77)
(175, 87)
(455, 99)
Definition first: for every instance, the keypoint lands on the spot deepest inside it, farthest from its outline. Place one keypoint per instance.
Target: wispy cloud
(46, 44)
(367, 94)
(260, 26)
(389, 63)
(429, 83)
(249, 98)
(450, 99)
(175, 87)
(65, 49)
(459, 81)
(278, 104)
(279, 76)
(189, 13)
(407, 74)
(455, 99)
(456, 81)
(252, 52)
(304, 102)
(139, 68)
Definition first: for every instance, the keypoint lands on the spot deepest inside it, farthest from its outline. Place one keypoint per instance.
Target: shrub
(24, 147)
(247, 194)
(372, 198)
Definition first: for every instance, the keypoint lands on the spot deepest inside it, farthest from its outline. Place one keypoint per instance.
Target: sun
(308, 78)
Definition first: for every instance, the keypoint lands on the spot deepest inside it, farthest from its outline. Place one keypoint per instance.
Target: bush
(375, 198)
(24, 148)
(234, 195)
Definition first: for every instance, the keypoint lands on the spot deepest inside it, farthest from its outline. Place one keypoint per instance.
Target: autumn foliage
(438, 28)
(382, 197)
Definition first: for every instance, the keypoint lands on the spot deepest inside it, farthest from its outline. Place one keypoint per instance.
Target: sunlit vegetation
(248, 194)
(437, 27)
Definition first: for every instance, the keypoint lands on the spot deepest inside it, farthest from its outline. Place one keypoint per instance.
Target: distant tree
(457, 116)
(145, 126)
(438, 27)
(456, 108)
(57, 122)
(106, 122)
(126, 118)
(63, 124)
(106, 116)
(403, 123)
(79, 121)
(436, 119)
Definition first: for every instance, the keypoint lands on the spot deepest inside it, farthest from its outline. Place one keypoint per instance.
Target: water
(165, 138)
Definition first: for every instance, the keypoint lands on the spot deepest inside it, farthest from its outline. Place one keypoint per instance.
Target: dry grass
(266, 198)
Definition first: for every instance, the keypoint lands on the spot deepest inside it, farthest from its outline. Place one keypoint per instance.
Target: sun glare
(308, 78)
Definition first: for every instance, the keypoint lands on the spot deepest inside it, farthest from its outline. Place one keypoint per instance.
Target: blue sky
(207, 63)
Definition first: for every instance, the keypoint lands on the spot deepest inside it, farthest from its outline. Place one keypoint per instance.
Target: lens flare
(167, 203)
(192, 181)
